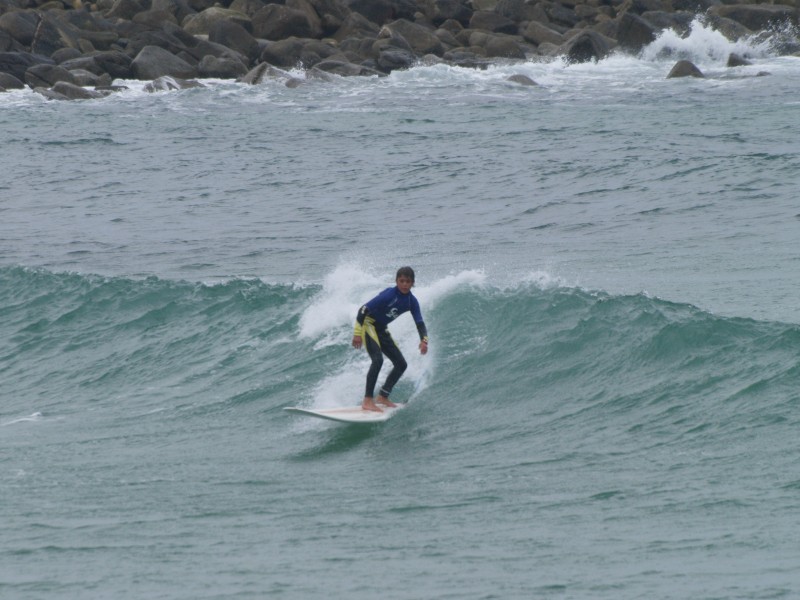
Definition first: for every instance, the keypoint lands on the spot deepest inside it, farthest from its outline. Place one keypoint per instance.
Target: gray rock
(232, 35)
(278, 22)
(522, 80)
(421, 39)
(221, 68)
(85, 78)
(756, 17)
(154, 18)
(344, 69)
(180, 9)
(536, 33)
(16, 63)
(392, 59)
(734, 60)
(587, 46)
(154, 62)
(201, 23)
(76, 92)
(47, 76)
(684, 68)
(634, 33)
(10, 82)
(503, 47)
(167, 84)
(262, 72)
(491, 21)
(20, 25)
(354, 26)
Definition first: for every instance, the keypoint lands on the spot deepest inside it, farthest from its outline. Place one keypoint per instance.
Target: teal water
(607, 266)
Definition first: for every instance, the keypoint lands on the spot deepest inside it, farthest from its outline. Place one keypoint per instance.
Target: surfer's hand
(357, 341)
(423, 347)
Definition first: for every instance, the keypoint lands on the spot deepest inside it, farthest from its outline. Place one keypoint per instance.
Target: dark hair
(405, 272)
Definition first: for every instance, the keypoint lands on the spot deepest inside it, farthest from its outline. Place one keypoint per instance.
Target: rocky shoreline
(76, 48)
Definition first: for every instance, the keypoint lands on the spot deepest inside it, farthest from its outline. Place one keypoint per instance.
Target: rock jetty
(64, 48)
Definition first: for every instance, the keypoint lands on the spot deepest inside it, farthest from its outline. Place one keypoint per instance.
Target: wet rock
(536, 33)
(634, 32)
(10, 82)
(47, 76)
(587, 46)
(16, 63)
(201, 23)
(167, 84)
(232, 35)
(76, 92)
(153, 62)
(734, 60)
(756, 17)
(222, 68)
(278, 22)
(522, 80)
(422, 40)
(685, 68)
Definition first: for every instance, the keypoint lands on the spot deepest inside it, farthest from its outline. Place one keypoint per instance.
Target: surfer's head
(405, 272)
(405, 279)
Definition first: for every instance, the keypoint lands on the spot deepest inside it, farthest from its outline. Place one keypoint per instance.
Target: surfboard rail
(346, 414)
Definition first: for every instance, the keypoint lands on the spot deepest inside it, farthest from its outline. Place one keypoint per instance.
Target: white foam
(37, 416)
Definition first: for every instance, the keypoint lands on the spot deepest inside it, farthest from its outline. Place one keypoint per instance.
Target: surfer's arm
(423, 337)
(358, 330)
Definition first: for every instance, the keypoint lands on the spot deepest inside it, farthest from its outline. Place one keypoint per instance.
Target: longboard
(346, 414)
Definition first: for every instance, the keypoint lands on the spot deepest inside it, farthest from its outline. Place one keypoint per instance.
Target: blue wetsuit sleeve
(417, 314)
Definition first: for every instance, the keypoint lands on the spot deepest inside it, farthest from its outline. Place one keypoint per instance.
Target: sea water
(607, 264)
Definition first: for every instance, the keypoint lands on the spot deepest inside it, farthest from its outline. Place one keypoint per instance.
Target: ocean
(607, 265)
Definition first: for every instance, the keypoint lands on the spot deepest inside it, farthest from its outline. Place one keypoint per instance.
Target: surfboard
(346, 414)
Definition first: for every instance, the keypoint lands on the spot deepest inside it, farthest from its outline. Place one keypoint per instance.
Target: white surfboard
(347, 414)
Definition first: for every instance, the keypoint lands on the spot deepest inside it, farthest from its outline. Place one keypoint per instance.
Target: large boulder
(10, 82)
(47, 76)
(264, 72)
(220, 68)
(537, 34)
(383, 11)
(587, 46)
(295, 52)
(447, 10)
(232, 35)
(757, 17)
(154, 62)
(201, 23)
(278, 22)
(16, 63)
(168, 84)
(20, 26)
(501, 46)
(421, 39)
(180, 9)
(392, 59)
(491, 21)
(634, 33)
(76, 92)
(116, 64)
(344, 69)
(356, 26)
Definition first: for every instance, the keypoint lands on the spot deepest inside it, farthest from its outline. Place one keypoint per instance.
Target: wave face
(551, 349)
(548, 425)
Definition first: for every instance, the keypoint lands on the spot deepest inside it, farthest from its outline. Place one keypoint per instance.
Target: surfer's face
(404, 284)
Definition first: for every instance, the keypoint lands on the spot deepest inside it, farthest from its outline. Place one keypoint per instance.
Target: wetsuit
(371, 326)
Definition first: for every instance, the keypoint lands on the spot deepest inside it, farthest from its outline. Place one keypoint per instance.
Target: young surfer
(371, 330)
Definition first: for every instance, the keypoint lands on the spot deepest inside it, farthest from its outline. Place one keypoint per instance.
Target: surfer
(371, 330)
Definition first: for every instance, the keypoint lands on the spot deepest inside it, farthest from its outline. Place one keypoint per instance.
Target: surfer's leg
(374, 351)
(400, 365)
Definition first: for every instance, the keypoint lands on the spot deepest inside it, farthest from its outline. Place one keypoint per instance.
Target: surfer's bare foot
(385, 402)
(369, 404)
